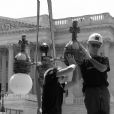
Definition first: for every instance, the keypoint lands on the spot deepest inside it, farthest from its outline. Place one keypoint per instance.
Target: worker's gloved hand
(85, 51)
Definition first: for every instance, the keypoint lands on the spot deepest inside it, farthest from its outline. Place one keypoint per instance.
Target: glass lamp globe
(20, 56)
(20, 83)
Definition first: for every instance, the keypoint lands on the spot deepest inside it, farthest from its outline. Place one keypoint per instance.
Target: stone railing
(79, 101)
(76, 101)
(20, 104)
(64, 23)
(86, 20)
(21, 97)
(13, 111)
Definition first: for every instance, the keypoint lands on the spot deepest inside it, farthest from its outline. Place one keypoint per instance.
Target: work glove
(85, 51)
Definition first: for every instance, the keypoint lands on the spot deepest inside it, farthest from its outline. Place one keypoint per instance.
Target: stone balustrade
(25, 104)
(79, 101)
(64, 23)
(86, 20)
(20, 97)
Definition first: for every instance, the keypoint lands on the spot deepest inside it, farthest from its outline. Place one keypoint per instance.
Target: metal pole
(51, 27)
(2, 101)
(38, 89)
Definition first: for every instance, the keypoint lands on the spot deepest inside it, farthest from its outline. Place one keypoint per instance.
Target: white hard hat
(95, 37)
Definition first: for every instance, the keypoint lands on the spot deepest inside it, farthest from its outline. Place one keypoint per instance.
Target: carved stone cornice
(23, 30)
(8, 25)
(15, 22)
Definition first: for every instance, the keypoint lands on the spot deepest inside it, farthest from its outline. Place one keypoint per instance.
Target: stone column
(27, 50)
(3, 78)
(10, 61)
(0, 67)
(110, 76)
(70, 98)
(33, 72)
(106, 48)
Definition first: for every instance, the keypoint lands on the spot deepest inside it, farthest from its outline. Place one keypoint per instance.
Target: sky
(60, 8)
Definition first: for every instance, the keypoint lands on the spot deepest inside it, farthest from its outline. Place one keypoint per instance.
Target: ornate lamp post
(44, 48)
(74, 30)
(73, 47)
(45, 62)
(21, 83)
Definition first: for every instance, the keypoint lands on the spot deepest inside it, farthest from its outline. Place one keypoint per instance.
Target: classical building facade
(11, 31)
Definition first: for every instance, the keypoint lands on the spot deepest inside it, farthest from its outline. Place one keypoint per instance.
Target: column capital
(3, 51)
(107, 40)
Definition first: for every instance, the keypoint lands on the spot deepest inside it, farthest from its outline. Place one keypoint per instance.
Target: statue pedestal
(24, 104)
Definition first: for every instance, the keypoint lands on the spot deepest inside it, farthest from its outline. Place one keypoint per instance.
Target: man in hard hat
(94, 70)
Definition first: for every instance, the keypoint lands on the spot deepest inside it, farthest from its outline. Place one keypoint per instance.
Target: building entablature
(89, 23)
(8, 24)
(87, 20)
